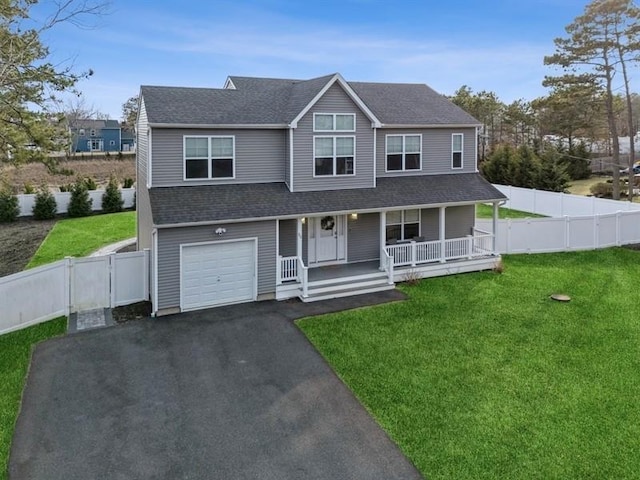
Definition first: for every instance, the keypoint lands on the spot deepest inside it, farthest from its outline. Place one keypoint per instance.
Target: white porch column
(299, 237)
(383, 237)
(441, 225)
(495, 227)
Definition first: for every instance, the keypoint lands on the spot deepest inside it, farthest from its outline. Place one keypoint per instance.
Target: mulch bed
(19, 241)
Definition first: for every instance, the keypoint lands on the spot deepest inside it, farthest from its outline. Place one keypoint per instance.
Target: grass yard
(482, 376)
(486, 211)
(15, 353)
(78, 237)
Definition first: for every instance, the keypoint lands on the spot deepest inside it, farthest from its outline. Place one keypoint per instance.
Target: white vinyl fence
(575, 223)
(72, 285)
(27, 201)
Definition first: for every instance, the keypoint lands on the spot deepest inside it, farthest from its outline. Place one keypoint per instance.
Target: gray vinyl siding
(259, 156)
(142, 146)
(430, 224)
(287, 159)
(287, 236)
(144, 220)
(436, 151)
(363, 237)
(335, 100)
(459, 221)
(169, 241)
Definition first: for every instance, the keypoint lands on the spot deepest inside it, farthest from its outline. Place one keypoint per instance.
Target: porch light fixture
(354, 216)
(221, 231)
(304, 220)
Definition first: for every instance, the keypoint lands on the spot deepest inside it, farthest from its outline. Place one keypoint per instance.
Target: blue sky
(495, 45)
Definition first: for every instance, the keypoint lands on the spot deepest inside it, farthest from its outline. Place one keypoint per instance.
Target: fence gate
(90, 283)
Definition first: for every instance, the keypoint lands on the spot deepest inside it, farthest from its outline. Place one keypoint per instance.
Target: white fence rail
(27, 201)
(555, 204)
(287, 269)
(415, 253)
(575, 223)
(71, 285)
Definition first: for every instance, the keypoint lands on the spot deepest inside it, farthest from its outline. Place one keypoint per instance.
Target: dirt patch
(633, 246)
(19, 241)
(134, 311)
(36, 174)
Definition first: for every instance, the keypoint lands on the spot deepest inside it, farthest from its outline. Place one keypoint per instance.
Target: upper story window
(334, 156)
(93, 132)
(334, 122)
(81, 132)
(404, 152)
(209, 157)
(402, 225)
(457, 140)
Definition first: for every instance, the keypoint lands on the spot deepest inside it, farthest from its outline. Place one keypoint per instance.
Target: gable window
(81, 132)
(209, 157)
(404, 152)
(403, 225)
(457, 139)
(334, 122)
(93, 132)
(334, 156)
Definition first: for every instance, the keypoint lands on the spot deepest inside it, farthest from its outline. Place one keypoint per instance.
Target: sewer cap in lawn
(560, 297)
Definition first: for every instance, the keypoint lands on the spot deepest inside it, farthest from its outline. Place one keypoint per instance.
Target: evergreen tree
(80, 203)
(45, 207)
(112, 198)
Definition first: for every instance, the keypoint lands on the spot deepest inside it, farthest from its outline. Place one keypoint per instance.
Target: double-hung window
(334, 156)
(457, 140)
(404, 152)
(334, 122)
(209, 157)
(403, 225)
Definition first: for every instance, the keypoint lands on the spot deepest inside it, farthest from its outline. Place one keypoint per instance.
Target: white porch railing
(388, 265)
(288, 270)
(303, 276)
(416, 253)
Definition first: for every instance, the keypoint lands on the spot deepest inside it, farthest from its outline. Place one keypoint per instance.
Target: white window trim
(334, 115)
(92, 132)
(209, 158)
(386, 153)
(461, 151)
(81, 132)
(334, 157)
(403, 222)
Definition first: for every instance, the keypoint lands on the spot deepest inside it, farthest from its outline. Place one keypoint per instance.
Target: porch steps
(347, 286)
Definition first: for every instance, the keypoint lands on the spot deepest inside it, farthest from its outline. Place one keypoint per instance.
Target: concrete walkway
(231, 393)
(114, 247)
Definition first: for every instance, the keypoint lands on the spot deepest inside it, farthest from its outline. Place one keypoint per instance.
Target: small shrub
(80, 203)
(112, 198)
(66, 187)
(412, 277)
(9, 209)
(127, 182)
(45, 207)
(602, 189)
(90, 183)
(120, 156)
(29, 189)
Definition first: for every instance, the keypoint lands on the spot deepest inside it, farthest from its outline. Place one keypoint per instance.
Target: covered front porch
(328, 256)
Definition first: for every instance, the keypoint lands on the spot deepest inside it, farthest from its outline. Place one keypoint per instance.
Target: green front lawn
(486, 211)
(15, 353)
(78, 237)
(482, 376)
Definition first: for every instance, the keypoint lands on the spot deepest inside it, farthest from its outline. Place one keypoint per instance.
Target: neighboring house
(273, 188)
(127, 140)
(88, 135)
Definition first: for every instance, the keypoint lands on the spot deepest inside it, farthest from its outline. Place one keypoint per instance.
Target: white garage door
(218, 273)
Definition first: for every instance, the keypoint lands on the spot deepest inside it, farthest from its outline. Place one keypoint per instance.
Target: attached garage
(217, 273)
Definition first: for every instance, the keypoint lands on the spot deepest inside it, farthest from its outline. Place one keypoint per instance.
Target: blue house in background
(96, 136)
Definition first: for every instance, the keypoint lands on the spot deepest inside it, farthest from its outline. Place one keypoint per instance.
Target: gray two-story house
(277, 188)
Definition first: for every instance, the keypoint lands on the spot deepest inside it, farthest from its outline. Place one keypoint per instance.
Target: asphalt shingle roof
(210, 203)
(278, 101)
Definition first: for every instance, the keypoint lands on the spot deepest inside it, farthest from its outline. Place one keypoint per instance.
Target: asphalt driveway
(230, 393)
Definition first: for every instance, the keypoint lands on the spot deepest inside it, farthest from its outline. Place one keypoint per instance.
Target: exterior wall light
(354, 216)
(304, 220)
(221, 231)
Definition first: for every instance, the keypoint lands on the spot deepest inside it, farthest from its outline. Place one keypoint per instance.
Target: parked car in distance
(636, 169)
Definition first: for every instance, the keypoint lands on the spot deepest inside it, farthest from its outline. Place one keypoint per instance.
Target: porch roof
(216, 203)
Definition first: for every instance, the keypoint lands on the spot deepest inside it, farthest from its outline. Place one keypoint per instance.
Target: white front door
(327, 238)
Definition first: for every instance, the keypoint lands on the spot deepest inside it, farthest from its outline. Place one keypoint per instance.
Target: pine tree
(112, 198)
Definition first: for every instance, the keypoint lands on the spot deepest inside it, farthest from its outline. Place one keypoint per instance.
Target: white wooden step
(346, 293)
(348, 285)
(353, 278)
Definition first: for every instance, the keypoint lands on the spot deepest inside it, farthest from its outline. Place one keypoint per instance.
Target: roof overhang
(246, 126)
(316, 213)
(444, 125)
